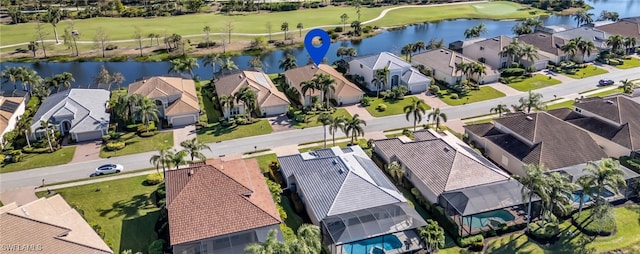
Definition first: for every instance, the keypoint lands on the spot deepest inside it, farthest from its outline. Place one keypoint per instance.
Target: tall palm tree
(627, 86)
(381, 79)
(284, 27)
(300, 27)
(461, 67)
(177, 158)
(615, 42)
(270, 246)
(336, 124)
(605, 174)
(53, 16)
(161, 159)
(326, 85)
(47, 126)
(309, 235)
(64, 79)
(419, 46)
(147, 111)
(529, 52)
(12, 74)
(193, 147)
(249, 98)
(353, 126)
(437, 116)
(416, 109)
(288, 62)
(586, 189)
(228, 65)
(308, 86)
(560, 190)
(512, 50)
(479, 69)
(533, 182)
(570, 48)
(500, 109)
(211, 60)
(226, 101)
(396, 171)
(532, 101)
(323, 118)
(29, 78)
(629, 43)
(585, 47)
(407, 50)
(183, 64)
(433, 236)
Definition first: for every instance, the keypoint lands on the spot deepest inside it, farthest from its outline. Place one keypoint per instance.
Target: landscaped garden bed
(134, 143)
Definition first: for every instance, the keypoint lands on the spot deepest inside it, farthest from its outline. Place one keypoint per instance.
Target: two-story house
(489, 51)
(11, 108)
(400, 72)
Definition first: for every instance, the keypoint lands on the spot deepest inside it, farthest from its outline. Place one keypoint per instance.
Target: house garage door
(86, 136)
(275, 110)
(182, 120)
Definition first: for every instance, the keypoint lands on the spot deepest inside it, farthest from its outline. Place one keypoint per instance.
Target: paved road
(34, 177)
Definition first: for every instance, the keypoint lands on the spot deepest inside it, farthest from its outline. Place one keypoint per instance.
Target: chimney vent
(247, 194)
(529, 118)
(190, 172)
(610, 102)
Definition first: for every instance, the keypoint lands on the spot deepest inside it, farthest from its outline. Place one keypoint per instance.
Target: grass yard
(362, 142)
(536, 82)
(212, 115)
(136, 144)
(564, 104)
(485, 93)
(312, 120)
(608, 92)
(265, 160)
(630, 63)
(294, 221)
(628, 228)
(60, 157)
(215, 132)
(393, 107)
(588, 71)
(123, 208)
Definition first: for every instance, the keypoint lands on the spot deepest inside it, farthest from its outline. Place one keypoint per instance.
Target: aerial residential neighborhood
(333, 127)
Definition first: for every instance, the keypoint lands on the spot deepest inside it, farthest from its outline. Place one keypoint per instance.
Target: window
(481, 48)
(234, 111)
(360, 66)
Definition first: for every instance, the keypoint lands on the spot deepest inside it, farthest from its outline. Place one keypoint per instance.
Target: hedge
(154, 178)
(114, 146)
(590, 227)
(467, 241)
(36, 150)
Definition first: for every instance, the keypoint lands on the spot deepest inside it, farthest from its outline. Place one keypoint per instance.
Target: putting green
(495, 8)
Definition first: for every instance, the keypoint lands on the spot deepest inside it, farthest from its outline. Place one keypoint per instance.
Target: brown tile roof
(218, 198)
(157, 87)
(621, 110)
(6, 115)
(624, 28)
(51, 223)
(544, 42)
(343, 86)
(444, 61)
(267, 93)
(542, 138)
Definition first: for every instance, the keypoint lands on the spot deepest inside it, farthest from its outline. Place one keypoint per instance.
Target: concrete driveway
(88, 151)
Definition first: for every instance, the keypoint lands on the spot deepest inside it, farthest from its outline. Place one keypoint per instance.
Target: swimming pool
(482, 219)
(586, 198)
(387, 242)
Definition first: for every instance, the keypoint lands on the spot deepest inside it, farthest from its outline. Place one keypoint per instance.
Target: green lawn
(564, 104)
(536, 82)
(123, 208)
(485, 93)
(312, 120)
(265, 160)
(137, 144)
(586, 72)
(60, 157)
(629, 63)
(626, 237)
(215, 132)
(608, 92)
(393, 107)
(362, 142)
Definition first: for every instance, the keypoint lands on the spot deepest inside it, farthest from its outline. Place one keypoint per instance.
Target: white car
(109, 169)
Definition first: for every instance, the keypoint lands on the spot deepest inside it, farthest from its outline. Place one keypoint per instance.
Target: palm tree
(627, 86)
(586, 189)
(64, 79)
(419, 46)
(211, 60)
(605, 174)
(193, 148)
(161, 159)
(512, 50)
(479, 69)
(309, 236)
(324, 119)
(53, 16)
(437, 116)
(309, 85)
(300, 27)
(288, 62)
(615, 42)
(335, 124)
(433, 236)
(228, 65)
(284, 27)
(270, 246)
(560, 190)
(47, 126)
(380, 79)
(249, 98)
(29, 78)
(532, 182)
(475, 31)
(226, 101)
(585, 47)
(326, 85)
(571, 48)
(461, 67)
(183, 64)
(500, 109)
(12, 74)
(529, 52)
(147, 111)
(630, 43)
(343, 18)
(353, 126)
(357, 27)
(602, 212)
(396, 171)
(417, 108)
(532, 101)
(582, 17)
(177, 158)
(407, 50)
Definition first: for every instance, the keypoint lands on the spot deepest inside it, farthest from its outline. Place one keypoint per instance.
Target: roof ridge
(84, 245)
(448, 176)
(375, 184)
(36, 221)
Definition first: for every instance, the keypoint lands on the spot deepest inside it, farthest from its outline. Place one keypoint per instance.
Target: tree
(226, 101)
(161, 159)
(353, 126)
(288, 62)
(627, 86)
(137, 35)
(475, 31)
(323, 119)
(47, 127)
(228, 65)
(53, 16)
(357, 27)
(63, 79)
(380, 79)
(571, 48)
(40, 35)
(255, 62)
(270, 246)
(310, 86)
(269, 29)
(70, 38)
(12, 74)
(615, 42)
(437, 116)
(529, 52)
(584, 46)
(183, 64)
(29, 78)
(300, 27)
(602, 212)
(533, 182)
(433, 44)
(433, 236)
(407, 50)
(211, 60)
(101, 40)
(258, 43)
(582, 17)
(151, 36)
(629, 44)
(419, 46)
(147, 111)
(560, 190)
(532, 101)
(605, 174)
(396, 171)
(343, 18)
(193, 148)
(335, 124)
(308, 235)
(33, 47)
(520, 29)
(249, 98)
(586, 189)
(284, 27)
(512, 50)
(609, 15)
(500, 109)
(416, 109)
(177, 158)
(326, 85)
(229, 29)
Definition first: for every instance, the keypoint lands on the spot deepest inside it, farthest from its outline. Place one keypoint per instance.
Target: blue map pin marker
(317, 53)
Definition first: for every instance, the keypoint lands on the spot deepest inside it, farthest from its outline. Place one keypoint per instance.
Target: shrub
(282, 212)
(154, 178)
(156, 247)
(433, 89)
(98, 229)
(467, 241)
(148, 134)
(509, 72)
(381, 107)
(143, 127)
(365, 102)
(111, 47)
(338, 29)
(132, 127)
(334, 36)
(477, 246)
(366, 29)
(2, 158)
(16, 156)
(204, 44)
(287, 233)
(114, 146)
(241, 120)
(591, 227)
(228, 122)
(630, 163)
(36, 150)
(454, 96)
(544, 233)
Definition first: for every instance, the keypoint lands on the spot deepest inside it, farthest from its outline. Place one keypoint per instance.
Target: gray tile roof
(486, 197)
(444, 61)
(587, 33)
(384, 59)
(576, 171)
(333, 181)
(442, 164)
(87, 107)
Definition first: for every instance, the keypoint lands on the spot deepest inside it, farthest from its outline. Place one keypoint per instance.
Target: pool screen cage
(370, 222)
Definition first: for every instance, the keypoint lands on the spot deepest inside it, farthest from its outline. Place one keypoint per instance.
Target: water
(391, 41)
(387, 242)
(586, 198)
(481, 220)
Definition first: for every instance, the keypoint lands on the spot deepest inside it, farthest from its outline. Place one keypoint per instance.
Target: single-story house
(176, 98)
(219, 207)
(345, 91)
(627, 27)
(400, 72)
(613, 122)
(352, 201)
(81, 113)
(270, 101)
(488, 51)
(450, 173)
(47, 225)
(547, 45)
(537, 138)
(11, 108)
(597, 36)
(442, 63)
